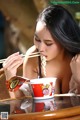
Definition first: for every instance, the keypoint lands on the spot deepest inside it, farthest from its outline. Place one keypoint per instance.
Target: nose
(42, 47)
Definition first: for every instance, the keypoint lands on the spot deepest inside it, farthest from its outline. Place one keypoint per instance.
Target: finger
(75, 57)
(15, 54)
(72, 59)
(12, 60)
(10, 57)
(11, 71)
(15, 65)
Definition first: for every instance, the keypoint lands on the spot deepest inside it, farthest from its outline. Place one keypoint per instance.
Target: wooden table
(57, 108)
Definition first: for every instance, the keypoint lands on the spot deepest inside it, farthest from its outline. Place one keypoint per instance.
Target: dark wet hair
(62, 26)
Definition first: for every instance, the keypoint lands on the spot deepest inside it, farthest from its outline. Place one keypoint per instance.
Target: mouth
(43, 55)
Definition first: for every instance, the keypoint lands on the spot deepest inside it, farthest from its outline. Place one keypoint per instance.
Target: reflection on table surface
(29, 105)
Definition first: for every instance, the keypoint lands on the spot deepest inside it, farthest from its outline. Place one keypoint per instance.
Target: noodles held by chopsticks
(43, 64)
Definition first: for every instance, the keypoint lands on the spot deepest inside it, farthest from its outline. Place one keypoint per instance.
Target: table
(26, 108)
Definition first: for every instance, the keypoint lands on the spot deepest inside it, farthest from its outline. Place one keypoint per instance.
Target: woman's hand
(11, 64)
(75, 67)
(75, 80)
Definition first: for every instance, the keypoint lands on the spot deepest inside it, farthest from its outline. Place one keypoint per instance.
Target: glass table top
(29, 105)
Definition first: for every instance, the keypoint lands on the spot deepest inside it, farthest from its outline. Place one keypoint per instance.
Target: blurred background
(18, 19)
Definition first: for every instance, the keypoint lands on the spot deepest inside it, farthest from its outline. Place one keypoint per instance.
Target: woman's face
(44, 42)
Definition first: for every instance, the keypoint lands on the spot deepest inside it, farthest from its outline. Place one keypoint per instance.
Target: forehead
(40, 26)
(42, 31)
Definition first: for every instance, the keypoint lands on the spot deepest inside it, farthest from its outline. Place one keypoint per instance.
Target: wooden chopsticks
(34, 54)
(67, 95)
(30, 56)
(55, 95)
(8, 99)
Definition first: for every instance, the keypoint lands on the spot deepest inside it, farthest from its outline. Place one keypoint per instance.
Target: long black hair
(62, 26)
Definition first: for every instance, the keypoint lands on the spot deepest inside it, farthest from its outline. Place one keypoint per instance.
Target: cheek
(54, 50)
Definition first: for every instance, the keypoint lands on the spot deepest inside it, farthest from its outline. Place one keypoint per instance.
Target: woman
(57, 39)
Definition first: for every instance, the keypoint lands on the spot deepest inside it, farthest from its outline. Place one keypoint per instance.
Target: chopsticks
(30, 56)
(30, 97)
(67, 95)
(34, 54)
(8, 99)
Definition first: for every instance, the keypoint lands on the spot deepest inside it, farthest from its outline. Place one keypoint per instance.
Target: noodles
(43, 64)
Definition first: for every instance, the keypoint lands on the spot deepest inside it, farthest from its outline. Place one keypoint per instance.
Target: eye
(36, 39)
(49, 44)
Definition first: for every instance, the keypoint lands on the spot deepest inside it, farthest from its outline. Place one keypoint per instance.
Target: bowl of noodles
(43, 88)
(40, 88)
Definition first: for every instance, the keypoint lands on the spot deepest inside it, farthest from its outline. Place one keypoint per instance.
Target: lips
(44, 55)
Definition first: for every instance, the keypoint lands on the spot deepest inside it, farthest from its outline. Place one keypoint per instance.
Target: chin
(49, 59)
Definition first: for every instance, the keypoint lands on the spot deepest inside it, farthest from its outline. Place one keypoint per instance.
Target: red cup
(43, 88)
